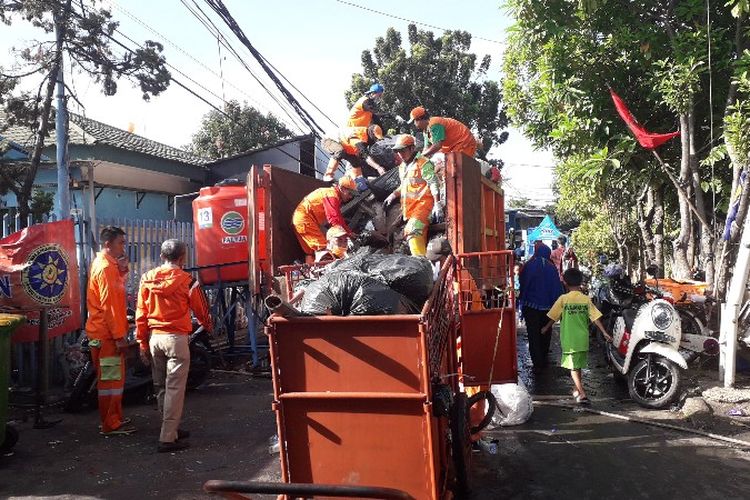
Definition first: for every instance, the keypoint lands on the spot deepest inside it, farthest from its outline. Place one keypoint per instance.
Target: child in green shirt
(574, 310)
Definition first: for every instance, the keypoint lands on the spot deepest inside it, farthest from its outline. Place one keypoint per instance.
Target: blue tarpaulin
(544, 231)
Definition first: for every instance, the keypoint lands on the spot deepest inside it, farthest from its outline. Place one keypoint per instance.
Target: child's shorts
(575, 360)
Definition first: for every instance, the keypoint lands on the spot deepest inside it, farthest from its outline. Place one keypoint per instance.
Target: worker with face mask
(418, 192)
(337, 244)
(320, 208)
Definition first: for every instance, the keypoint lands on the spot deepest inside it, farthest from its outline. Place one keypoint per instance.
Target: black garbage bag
(352, 293)
(382, 152)
(410, 276)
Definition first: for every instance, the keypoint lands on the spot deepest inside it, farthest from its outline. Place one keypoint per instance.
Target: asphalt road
(559, 453)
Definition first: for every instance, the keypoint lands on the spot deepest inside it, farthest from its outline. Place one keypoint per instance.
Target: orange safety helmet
(375, 132)
(403, 141)
(346, 182)
(417, 113)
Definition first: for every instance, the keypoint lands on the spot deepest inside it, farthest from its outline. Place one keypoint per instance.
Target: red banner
(39, 270)
(645, 138)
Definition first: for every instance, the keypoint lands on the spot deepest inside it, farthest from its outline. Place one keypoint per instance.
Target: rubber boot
(418, 245)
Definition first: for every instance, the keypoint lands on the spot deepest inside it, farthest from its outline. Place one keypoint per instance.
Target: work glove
(361, 183)
(328, 178)
(437, 213)
(400, 120)
(388, 201)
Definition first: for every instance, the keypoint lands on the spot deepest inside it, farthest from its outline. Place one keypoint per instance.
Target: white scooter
(646, 339)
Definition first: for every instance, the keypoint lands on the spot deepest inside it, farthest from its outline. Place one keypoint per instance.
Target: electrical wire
(207, 23)
(414, 22)
(220, 9)
(130, 50)
(151, 29)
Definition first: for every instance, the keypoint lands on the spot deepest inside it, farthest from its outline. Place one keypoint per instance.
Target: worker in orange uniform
(354, 146)
(443, 134)
(418, 191)
(163, 325)
(106, 328)
(337, 244)
(362, 113)
(321, 207)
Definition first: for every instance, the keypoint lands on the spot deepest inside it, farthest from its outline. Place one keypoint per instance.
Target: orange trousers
(109, 384)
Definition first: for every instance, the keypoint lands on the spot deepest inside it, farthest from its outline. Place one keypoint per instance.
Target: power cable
(130, 50)
(151, 29)
(216, 32)
(221, 10)
(414, 22)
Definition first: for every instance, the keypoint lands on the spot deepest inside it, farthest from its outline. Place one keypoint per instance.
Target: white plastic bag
(514, 405)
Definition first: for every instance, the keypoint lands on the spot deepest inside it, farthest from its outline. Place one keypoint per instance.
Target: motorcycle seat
(629, 316)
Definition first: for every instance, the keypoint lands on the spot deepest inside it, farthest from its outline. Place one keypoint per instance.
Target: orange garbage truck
(381, 402)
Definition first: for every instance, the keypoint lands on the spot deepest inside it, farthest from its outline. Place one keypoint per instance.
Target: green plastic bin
(8, 324)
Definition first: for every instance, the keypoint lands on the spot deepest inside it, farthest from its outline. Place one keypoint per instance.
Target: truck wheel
(11, 438)
(460, 444)
(656, 387)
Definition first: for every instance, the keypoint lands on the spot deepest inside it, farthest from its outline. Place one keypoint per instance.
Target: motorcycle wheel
(84, 392)
(200, 365)
(658, 389)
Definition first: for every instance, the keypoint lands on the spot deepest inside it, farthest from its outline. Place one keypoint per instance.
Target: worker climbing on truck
(354, 146)
(419, 192)
(443, 134)
(363, 112)
(319, 208)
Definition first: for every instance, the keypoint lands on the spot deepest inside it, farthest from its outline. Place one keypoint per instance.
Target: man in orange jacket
(319, 208)
(106, 328)
(418, 192)
(354, 146)
(163, 325)
(443, 134)
(362, 113)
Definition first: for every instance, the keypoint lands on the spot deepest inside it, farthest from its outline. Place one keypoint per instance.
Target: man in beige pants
(163, 326)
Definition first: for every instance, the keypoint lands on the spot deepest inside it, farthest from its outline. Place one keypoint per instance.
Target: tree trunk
(658, 226)
(706, 231)
(681, 244)
(645, 210)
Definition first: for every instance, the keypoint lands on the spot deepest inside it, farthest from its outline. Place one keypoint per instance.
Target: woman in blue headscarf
(540, 288)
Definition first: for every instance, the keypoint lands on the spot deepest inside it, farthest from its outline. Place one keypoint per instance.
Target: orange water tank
(220, 229)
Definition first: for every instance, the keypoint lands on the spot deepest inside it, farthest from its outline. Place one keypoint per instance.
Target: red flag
(644, 137)
(38, 269)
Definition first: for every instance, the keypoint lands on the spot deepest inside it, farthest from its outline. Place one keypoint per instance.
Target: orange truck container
(220, 222)
(378, 400)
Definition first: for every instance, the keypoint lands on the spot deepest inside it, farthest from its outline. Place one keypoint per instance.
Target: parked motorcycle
(645, 348)
(138, 378)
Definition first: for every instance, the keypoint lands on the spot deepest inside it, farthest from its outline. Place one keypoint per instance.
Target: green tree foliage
(438, 73)
(562, 57)
(240, 128)
(86, 34)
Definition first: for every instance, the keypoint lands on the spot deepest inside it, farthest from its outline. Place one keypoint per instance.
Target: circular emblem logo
(232, 222)
(46, 277)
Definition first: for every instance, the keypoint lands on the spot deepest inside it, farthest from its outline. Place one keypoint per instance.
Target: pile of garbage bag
(345, 293)
(370, 283)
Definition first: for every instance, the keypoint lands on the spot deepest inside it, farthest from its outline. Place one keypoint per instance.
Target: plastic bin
(8, 323)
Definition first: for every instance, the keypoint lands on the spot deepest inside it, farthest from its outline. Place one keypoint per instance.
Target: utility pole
(730, 311)
(62, 199)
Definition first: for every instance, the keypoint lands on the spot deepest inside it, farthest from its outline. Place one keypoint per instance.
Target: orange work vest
(312, 204)
(416, 197)
(358, 117)
(458, 137)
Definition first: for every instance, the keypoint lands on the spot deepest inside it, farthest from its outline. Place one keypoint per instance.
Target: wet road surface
(559, 453)
(564, 453)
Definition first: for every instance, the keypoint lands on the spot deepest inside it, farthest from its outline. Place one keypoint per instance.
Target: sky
(316, 44)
